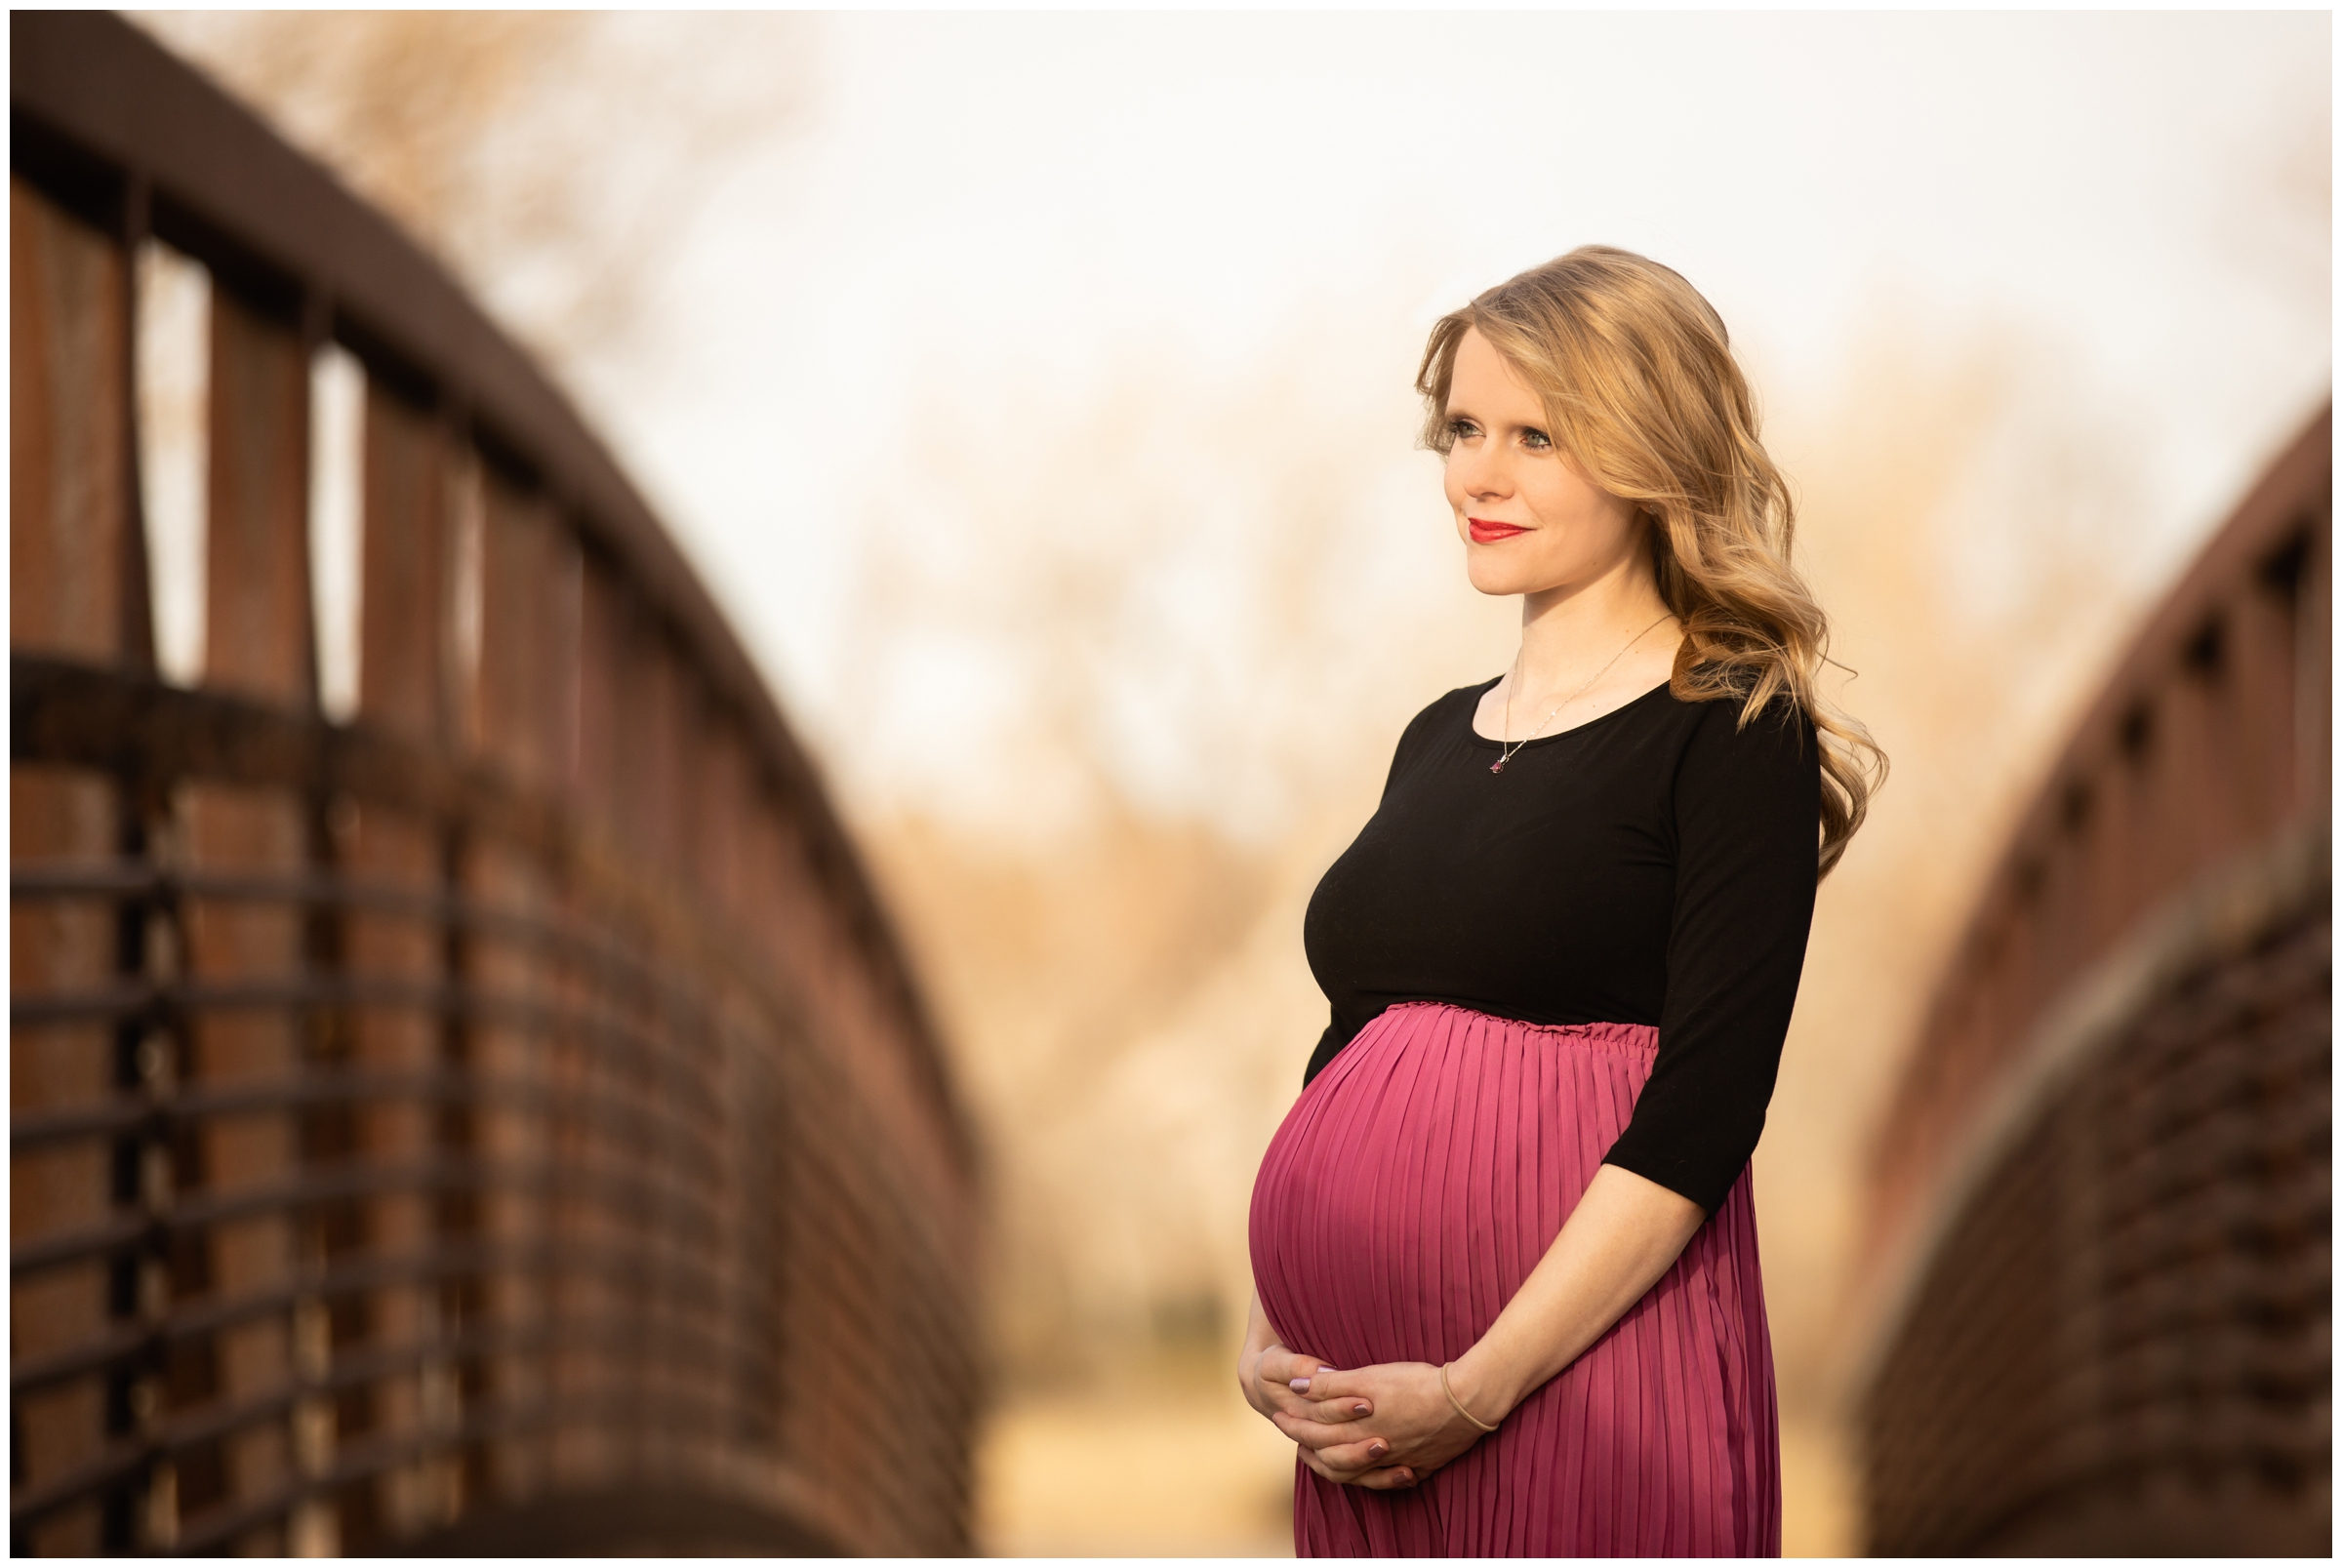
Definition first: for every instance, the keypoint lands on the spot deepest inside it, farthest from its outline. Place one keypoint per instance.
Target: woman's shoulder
(1442, 712)
(1721, 736)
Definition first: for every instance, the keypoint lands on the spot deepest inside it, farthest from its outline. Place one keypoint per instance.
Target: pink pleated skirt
(1410, 1190)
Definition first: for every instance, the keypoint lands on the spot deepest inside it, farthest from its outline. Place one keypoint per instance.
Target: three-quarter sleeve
(1747, 814)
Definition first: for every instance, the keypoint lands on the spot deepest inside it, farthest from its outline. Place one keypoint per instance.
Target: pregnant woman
(1505, 1254)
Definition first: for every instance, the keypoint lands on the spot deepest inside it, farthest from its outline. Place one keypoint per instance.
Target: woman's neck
(1567, 634)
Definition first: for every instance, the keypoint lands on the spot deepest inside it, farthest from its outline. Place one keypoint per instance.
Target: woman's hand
(1624, 1233)
(1414, 1430)
(1277, 1380)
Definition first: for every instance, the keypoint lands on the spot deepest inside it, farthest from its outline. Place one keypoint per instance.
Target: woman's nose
(1479, 478)
(1484, 480)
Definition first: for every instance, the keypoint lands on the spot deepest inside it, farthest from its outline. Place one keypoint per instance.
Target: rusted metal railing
(2097, 1272)
(499, 1121)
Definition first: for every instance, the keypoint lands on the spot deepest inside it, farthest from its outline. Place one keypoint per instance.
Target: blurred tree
(554, 160)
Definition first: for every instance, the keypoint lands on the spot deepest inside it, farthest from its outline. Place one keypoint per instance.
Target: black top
(1653, 866)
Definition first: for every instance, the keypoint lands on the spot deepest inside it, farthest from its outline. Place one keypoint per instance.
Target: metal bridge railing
(503, 1117)
(2097, 1277)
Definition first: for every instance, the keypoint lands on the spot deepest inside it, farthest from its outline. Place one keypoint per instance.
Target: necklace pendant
(1498, 766)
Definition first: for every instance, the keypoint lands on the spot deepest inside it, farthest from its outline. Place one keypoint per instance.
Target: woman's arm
(1625, 1232)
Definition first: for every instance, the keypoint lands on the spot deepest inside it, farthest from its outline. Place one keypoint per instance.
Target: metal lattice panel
(501, 1122)
(2093, 1290)
(2123, 1346)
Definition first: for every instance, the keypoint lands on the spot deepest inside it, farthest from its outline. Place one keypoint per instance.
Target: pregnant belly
(1423, 1173)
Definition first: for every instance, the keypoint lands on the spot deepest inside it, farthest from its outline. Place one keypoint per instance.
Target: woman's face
(1529, 522)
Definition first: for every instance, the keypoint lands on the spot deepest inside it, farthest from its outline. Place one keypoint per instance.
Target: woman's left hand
(1413, 1431)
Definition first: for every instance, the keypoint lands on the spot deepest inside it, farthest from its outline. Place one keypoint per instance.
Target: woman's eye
(1536, 440)
(1461, 430)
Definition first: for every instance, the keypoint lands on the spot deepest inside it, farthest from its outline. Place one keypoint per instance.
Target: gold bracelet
(1459, 1404)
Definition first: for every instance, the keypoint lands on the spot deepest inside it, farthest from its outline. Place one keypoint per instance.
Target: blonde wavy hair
(1637, 374)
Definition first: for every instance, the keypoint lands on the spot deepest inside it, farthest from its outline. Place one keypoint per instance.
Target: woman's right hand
(1268, 1372)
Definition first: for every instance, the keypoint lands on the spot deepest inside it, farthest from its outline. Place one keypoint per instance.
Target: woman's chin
(1495, 581)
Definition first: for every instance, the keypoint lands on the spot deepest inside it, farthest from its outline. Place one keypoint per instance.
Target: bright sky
(987, 220)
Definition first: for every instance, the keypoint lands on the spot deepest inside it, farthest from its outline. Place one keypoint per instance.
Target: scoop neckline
(1489, 685)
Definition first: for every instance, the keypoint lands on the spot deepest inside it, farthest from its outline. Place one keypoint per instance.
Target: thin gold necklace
(1506, 749)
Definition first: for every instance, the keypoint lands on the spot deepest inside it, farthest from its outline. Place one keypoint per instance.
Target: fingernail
(1301, 1385)
(1378, 1450)
(1362, 1409)
(1406, 1477)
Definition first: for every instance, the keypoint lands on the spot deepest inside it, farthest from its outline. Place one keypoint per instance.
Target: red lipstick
(1485, 532)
